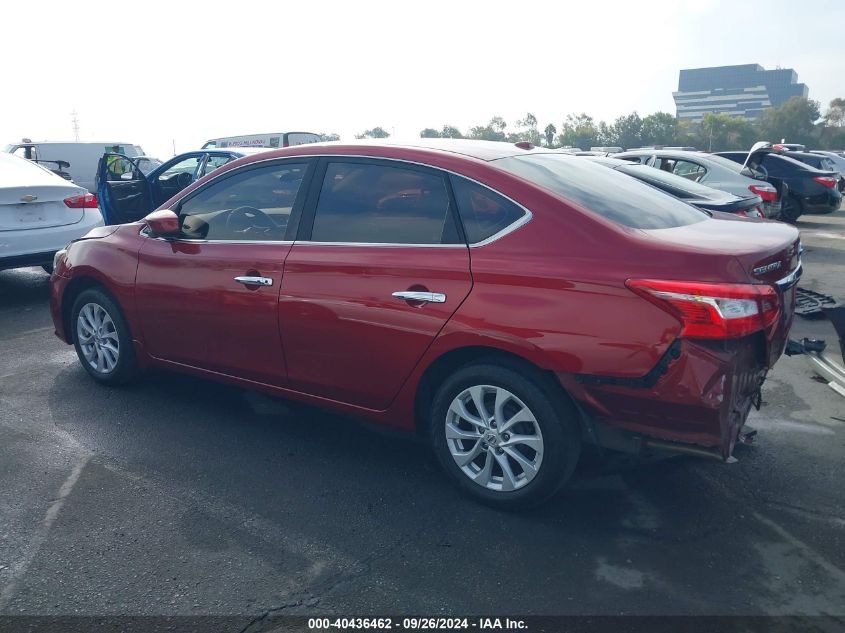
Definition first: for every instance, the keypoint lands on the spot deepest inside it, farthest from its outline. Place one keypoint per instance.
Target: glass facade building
(744, 90)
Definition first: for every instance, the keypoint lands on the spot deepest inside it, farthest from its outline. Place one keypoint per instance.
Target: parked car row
(788, 182)
(509, 303)
(804, 187)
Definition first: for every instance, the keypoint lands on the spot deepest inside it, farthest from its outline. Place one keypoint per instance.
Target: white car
(40, 213)
(80, 158)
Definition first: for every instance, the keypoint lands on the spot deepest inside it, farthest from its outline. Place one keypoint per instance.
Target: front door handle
(254, 281)
(423, 297)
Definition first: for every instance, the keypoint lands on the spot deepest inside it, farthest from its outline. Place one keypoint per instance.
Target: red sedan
(508, 302)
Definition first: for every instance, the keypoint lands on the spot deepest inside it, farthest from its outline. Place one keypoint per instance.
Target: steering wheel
(183, 179)
(244, 219)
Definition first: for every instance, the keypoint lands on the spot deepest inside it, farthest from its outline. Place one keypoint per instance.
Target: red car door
(381, 271)
(210, 298)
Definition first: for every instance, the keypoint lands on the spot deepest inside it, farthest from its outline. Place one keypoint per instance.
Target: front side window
(380, 204)
(187, 166)
(602, 191)
(483, 211)
(254, 204)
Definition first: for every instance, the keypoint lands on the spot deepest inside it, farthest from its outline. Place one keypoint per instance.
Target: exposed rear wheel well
(73, 290)
(450, 362)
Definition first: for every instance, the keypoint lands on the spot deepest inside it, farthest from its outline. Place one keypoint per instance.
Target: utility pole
(75, 121)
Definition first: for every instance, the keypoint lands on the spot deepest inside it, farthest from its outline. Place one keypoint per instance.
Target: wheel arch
(76, 287)
(452, 360)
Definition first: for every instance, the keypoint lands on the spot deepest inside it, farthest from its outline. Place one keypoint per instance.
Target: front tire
(102, 338)
(507, 436)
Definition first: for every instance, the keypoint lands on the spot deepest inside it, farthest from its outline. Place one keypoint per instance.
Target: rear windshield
(603, 191)
(659, 177)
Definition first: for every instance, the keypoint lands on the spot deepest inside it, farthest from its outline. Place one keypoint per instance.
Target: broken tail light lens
(712, 311)
(84, 201)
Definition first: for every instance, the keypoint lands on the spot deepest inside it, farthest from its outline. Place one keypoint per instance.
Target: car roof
(481, 150)
(668, 152)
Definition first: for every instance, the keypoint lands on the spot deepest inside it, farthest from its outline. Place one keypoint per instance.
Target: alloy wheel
(494, 438)
(98, 338)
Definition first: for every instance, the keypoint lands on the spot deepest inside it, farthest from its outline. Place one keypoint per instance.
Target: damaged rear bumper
(696, 400)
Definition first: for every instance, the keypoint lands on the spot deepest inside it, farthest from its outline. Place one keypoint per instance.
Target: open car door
(122, 189)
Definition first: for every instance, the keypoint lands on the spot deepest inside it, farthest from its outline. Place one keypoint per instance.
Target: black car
(804, 189)
(691, 192)
(819, 161)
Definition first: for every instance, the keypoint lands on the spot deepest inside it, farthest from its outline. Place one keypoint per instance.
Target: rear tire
(790, 210)
(504, 434)
(102, 338)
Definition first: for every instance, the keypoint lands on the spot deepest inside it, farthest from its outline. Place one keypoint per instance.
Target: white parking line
(830, 236)
(800, 545)
(19, 568)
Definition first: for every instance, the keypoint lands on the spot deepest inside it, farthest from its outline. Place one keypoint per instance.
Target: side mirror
(127, 175)
(163, 223)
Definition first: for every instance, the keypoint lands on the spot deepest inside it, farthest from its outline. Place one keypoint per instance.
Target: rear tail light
(713, 311)
(85, 201)
(766, 192)
(827, 181)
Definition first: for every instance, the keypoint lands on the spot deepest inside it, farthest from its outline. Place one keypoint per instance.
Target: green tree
(578, 130)
(527, 130)
(794, 121)
(493, 131)
(626, 131)
(429, 133)
(450, 131)
(376, 132)
(835, 115)
(719, 131)
(660, 128)
(549, 135)
(329, 137)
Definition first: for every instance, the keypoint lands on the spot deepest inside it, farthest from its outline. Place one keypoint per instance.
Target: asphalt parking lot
(179, 496)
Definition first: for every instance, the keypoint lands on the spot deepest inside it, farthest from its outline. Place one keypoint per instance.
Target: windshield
(603, 191)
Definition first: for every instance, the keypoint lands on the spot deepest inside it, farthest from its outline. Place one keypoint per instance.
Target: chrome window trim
(375, 244)
(525, 219)
(145, 231)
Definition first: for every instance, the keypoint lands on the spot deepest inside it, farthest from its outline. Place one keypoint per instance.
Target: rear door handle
(254, 281)
(425, 297)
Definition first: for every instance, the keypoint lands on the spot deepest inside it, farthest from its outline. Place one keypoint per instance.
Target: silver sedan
(714, 171)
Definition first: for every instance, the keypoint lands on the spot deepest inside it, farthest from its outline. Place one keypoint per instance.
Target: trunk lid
(762, 252)
(38, 206)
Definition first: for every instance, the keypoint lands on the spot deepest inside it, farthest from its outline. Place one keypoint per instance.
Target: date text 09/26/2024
(415, 624)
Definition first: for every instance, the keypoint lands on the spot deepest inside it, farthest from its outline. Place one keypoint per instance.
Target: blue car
(125, 194)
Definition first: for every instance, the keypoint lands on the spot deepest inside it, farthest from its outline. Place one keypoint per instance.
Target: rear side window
(603, 191)
(381, 204)
(483, 211)
(782, 165)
